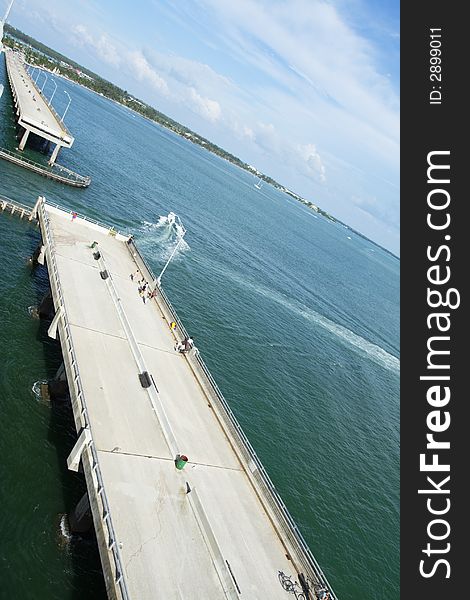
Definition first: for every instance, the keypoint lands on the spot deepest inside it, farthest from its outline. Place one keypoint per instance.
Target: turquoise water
(296, 317)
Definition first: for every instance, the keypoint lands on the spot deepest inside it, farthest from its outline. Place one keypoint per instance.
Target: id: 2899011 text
(435, 66)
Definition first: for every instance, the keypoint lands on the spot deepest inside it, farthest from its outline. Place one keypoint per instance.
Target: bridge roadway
(33, 111)
(223, 539)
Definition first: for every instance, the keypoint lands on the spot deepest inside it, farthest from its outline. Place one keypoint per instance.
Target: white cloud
(134, 60)
(207, 108)
(248, 132)
(191, 73)
(102, 45)
(377, 209)
(192, 83)
(306, 46)
(266, 136)
(312, 161)
(294, 86)
(142, 71)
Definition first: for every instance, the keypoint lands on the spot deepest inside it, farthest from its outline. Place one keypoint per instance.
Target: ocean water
(296, 317)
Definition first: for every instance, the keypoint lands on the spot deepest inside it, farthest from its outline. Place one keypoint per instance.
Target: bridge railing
(255, 468)
(110, 228)
(67, 343)
(51, 108)
(12, 56)
(13, 205)
(57, 171)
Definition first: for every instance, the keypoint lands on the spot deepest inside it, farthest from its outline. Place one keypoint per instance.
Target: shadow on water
(88, 581)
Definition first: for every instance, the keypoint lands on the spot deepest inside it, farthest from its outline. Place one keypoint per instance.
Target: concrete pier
(80, 519)
(56, 172)
(214, 529)
(32, 109)
(16, 208)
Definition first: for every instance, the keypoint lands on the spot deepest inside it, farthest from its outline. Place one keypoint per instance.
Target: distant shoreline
(15, 36)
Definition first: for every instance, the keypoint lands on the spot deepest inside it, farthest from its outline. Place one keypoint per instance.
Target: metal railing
(13, 206)
(11, 57)
(75, 380)
(111, 230)
(255, 468)
(56, 171)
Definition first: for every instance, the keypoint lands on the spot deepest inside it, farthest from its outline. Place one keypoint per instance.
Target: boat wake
(64, 528)
(33, 312)
(159, 240)
(162, 222)
(36, 390)
(358, 343)
(350, 339)
(64, 536)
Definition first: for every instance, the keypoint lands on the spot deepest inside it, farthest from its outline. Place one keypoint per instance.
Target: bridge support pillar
(58, 390)
(52, 331)
(61, 375)
(54, 155)
(80, 519)
(34, 212)
(73, 461)
(46, 308)
(23, 140)
(38, 255)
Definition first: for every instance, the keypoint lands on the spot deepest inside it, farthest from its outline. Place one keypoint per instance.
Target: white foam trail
(374, 352)
(160, 239)
(64, 528)
(161, 222)
(167, 250)
(179, 229)
(33, 312)
(168, 219)
(36, 389)
(345, 335)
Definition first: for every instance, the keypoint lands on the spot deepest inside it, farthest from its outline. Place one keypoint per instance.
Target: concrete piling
(46, 308)
(80, 519)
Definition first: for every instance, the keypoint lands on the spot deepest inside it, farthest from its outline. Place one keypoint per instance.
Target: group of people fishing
(323, 593)
(144, 289)
(145, 293)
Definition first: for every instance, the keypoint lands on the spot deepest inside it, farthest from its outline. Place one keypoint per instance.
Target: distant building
(132, 99)
(83, 75)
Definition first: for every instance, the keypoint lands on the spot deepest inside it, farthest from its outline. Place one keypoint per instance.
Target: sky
(306, 91)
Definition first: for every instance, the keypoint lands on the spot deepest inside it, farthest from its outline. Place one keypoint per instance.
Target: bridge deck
(34, 111)
(166, 549)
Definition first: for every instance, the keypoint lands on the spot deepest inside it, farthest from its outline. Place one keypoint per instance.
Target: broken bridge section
(181, 505)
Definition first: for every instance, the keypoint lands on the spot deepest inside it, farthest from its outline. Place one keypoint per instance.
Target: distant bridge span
(34, 115)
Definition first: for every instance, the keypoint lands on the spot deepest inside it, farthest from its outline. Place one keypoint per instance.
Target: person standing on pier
(185, 345)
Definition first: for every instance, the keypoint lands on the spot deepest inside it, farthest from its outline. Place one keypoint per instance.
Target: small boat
(259, 184)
